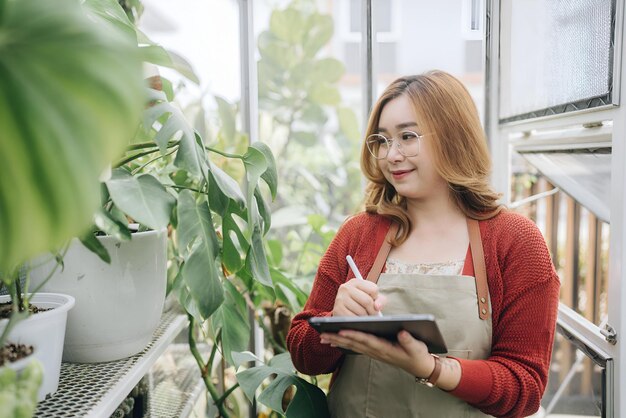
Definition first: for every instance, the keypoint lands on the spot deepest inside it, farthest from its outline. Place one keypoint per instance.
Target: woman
(432, 223)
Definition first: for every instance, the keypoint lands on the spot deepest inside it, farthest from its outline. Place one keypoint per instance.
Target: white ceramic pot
(118, 305)
(45, 331)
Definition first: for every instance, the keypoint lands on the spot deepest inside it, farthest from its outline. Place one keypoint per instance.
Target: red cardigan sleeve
(524, 289)
(309, 356)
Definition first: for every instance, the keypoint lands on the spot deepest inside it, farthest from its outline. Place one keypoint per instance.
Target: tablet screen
(422, 326)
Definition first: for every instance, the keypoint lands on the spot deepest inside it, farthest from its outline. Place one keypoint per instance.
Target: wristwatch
(431, 380)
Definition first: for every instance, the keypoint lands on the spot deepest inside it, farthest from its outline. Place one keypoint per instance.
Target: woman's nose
(394, 153)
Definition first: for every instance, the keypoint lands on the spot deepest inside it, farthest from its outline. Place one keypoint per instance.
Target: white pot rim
(64, 302)
(134, 235)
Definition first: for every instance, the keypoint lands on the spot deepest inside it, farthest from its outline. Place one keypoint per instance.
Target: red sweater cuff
(476, 381)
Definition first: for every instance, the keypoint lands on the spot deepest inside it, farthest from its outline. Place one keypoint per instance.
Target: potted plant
(70, 94)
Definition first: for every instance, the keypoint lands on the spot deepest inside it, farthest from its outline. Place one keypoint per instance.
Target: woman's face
(413, 177)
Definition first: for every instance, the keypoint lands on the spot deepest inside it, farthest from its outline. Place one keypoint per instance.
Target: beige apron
(373, 389)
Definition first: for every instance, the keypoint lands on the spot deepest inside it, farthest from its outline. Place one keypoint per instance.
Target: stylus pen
(357, 273)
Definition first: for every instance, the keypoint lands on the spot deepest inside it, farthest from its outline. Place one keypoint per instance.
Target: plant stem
(225, 154)
(214, 349)
(268, 333)
(130, 158)
(18, 292)
(173, 186)
(56, 266)
(153, 160)
(149, 144)
(230, 390)
(205, 369)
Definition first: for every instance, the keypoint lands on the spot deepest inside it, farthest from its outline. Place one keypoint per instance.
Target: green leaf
(18, 390)
(155, 54)
(256, 260)
(110, 225)
(309, 400)
(317, 222)
(218, 201)
(288, 291)
(231, 249)
(226, 184)
(90, 241)
(108, 13)
(167, 132)
(264, 210)
(233, 322)
(270, 175)
(349, 124)
(244, 357)
(282, 363)
(272, 396)
(319, 31)
(70, 99)
(251, 379)
(189, 156)
(276, 52)
(158, 55)
(143, 198)
(327, 70)
(236, 297)
(314, 113)
(307, 139)
(287, 296)
(256, 164)
(288, 25)
(227, 118)
(202, 279)
(324, 94)
(194, 220)
(275, 252)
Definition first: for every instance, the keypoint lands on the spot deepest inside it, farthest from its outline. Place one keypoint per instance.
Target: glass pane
(355, 15)
(575, 384)
(577, 239)
(584, 176)
(381, 9)
(427, 36)
(554, 53)
(310, 115)
(206, 34)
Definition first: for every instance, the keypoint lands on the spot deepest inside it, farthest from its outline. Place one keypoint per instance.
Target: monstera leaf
(309, 400)
(70, 99)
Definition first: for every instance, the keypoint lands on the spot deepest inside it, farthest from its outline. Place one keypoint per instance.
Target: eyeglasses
(408, 143)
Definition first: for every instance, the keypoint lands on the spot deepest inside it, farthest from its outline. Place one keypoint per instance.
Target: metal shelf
(174, 384)
(96, 390)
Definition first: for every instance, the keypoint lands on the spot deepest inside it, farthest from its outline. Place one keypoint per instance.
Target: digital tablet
(422, 326)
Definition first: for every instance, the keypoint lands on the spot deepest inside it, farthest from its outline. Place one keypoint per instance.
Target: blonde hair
(459, 147)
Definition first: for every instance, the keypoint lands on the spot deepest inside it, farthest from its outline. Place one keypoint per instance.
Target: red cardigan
(524, 291)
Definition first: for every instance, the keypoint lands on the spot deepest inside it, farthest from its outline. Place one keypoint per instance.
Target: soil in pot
(13, 352)
(7, 307)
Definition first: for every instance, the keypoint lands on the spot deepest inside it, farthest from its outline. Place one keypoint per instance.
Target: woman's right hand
(358, 297)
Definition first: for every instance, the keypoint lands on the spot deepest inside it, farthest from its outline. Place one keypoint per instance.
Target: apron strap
(379, 263)
(480, 271)
(478, 260)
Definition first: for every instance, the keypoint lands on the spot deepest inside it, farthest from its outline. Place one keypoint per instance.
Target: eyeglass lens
(406, 141)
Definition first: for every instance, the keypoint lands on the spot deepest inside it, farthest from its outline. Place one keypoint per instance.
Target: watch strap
(434, 375)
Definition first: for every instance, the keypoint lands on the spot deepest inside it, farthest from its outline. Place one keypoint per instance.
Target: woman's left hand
(408, 353)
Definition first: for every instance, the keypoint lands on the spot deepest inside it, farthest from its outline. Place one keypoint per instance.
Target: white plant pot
(45, 331)
(118, 305)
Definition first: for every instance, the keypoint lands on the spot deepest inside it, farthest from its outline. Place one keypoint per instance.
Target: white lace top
(454, 267)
